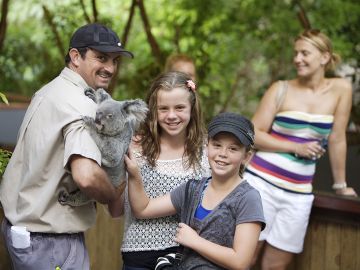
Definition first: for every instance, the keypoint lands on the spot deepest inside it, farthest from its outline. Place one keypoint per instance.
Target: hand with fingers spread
(310, 150)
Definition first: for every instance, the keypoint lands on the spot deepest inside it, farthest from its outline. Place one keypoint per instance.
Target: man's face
(97, 68)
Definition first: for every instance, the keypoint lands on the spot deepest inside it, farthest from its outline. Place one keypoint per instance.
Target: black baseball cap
(98, 37)
(234, 123)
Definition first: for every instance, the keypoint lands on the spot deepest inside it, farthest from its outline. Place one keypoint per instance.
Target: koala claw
(88, 121)
(63, 197)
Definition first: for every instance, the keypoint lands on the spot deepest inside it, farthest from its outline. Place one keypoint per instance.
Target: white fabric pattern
(157, 234)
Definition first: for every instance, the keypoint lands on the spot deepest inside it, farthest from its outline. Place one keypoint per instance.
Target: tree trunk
(240, 74)
(3, 21)
(86, 16)
(302, 15)
(95, 13)
(49, 19)
(123, 40)
(154, 45)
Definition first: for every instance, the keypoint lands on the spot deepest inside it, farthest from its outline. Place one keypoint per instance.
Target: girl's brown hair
(322, 43)
(150, 131)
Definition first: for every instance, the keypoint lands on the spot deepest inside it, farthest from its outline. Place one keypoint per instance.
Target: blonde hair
(322, 43)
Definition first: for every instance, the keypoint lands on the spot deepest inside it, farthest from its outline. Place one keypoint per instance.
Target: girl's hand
(310, 150)
(348, 191)
(185, 235)
(132, 166)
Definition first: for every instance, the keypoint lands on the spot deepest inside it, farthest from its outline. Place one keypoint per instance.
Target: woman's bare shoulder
(340, 83)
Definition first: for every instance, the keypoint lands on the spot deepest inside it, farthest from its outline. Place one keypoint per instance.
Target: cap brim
(112, 49)
(241, 137)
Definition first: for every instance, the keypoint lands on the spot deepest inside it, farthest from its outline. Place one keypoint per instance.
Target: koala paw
(90, 93)
(88, 120)
(63, 197)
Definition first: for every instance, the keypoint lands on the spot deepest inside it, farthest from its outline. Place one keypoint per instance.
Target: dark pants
(133, 268)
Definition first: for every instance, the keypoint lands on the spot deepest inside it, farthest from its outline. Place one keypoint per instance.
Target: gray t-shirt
(242, 205)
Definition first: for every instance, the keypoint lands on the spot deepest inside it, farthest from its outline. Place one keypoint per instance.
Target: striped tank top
(284, 170)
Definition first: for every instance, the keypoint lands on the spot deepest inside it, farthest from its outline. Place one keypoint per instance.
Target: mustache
(105, 73)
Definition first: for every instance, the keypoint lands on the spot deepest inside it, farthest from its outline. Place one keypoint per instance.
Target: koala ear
(102, 95)
(136, 110)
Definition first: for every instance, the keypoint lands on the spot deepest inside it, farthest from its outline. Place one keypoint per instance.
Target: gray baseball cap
(234, 123)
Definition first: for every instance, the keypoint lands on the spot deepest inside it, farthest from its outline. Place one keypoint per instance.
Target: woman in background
(295, 121)
(181, 63)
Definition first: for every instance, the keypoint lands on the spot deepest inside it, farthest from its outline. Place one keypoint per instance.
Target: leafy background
(240, 46)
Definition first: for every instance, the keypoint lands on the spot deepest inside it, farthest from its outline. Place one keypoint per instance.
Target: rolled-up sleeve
(78, 141)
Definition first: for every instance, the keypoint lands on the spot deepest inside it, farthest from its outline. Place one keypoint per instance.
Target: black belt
(47, 233)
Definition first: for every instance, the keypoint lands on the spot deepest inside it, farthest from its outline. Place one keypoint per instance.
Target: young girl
(170, 151)
(225, 211)
(294, 122)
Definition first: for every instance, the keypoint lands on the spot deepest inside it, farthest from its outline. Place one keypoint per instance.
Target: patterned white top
(158, 234)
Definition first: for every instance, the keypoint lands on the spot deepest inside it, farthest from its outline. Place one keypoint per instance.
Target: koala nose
(98, 118)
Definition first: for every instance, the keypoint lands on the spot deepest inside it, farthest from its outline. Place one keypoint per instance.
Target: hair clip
(191, 85)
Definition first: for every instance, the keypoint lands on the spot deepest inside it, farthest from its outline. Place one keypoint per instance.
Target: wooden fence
(333, 238)
(332, 241)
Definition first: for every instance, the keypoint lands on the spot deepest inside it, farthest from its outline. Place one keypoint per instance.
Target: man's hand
(116, 206)
(120, 189)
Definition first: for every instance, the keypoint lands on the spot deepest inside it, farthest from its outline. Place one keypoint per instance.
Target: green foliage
(3, 98)
(240, 46)
(4, 154)
(4, 160)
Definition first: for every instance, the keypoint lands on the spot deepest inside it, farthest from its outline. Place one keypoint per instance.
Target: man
(54, 152)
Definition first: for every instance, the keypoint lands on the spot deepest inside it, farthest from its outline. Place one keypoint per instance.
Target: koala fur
(112, 129)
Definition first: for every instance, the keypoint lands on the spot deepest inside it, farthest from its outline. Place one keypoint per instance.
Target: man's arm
(116, 207)
(92, 179)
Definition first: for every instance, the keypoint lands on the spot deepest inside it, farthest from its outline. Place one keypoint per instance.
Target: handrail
(336, 208)
(336, 202)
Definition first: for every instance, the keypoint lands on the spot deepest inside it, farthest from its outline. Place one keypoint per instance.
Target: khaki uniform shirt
(52, 131)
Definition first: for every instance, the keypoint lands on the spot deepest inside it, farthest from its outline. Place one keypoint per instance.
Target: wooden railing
(332, 240)
(333, 237)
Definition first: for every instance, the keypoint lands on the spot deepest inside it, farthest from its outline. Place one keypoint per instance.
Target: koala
(112, 129)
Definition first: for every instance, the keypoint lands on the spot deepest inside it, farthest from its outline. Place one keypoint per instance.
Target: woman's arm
(141, 205)
(238, 257)
(263, 119)
(337, 138)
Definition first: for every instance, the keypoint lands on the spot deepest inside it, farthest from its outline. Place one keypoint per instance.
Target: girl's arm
(141, 205)
(337, 139)
(263, 119)
(238, 257)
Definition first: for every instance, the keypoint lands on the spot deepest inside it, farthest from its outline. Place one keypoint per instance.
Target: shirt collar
(73, 77)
